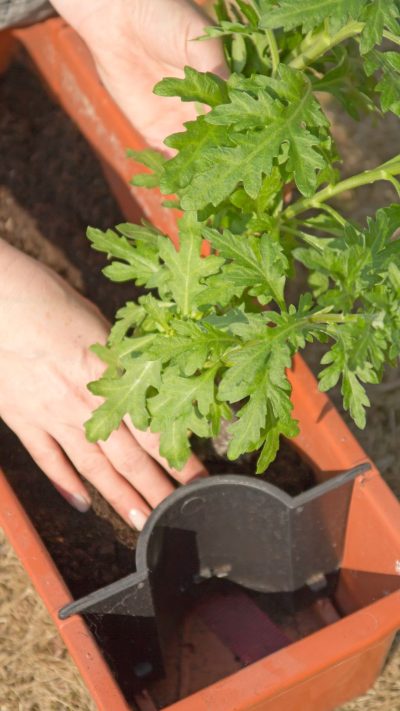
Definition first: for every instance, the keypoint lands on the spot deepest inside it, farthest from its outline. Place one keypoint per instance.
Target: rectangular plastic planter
(318, 672)
(328, 667)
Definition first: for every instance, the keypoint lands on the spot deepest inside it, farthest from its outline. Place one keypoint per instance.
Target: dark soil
(51, 187)
(288, 472)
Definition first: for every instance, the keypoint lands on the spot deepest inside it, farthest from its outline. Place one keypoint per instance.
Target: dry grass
(385, 695)
(36, 672)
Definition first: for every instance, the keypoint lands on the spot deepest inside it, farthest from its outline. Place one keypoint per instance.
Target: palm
(137, 44)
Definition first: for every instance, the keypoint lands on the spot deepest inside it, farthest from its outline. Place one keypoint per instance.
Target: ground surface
(50, 189)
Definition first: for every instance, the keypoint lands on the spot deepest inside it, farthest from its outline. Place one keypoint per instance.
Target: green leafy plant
(213, 337)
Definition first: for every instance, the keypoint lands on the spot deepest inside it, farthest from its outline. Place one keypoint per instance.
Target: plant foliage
(213, 337)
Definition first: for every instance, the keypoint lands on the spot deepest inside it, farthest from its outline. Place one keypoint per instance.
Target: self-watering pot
(238, 528)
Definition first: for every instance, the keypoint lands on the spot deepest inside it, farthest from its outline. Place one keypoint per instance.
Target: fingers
(136, 463)
(123, 469)
(129, 459)
(92, 463)
(150, 442)
(133, 453)
(49, 457)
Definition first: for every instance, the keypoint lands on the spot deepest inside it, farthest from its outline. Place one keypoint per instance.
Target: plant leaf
(255, 263)
(152, 159)
(308, 14)
(124, 395)
(190, 344)
(188, 269)
(204, 87)
(174, 408)
(388, 86)
(286, 138)
(192, 145)
(142, 259)
(378, 15)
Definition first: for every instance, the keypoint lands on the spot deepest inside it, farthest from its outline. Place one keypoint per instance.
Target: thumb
(205, 56)
(169, 31)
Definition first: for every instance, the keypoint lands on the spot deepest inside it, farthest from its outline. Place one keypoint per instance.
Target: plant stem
(381, 172)
(317, 320)
(333, 213)
(332, 318)
(273, 48)
(313, 47)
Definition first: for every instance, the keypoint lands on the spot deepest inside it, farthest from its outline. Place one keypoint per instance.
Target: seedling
(213, 337)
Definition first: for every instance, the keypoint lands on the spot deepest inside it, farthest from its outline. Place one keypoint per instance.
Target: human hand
(46, 329)
(134, 45)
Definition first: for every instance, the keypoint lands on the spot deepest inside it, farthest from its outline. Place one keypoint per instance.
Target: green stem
(320, 318)
(315, 46)
(332, 318)
(274, 51)
(333, 213)
(381, 172)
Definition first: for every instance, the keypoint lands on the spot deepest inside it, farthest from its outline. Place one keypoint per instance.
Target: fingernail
(76, 500)
(79, 502)
(137, 518)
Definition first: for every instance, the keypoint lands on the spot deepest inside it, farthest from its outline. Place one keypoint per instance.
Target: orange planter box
(324, 669)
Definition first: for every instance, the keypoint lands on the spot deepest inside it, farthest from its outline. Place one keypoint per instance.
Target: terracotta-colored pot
(324, 669)
(8, 45)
